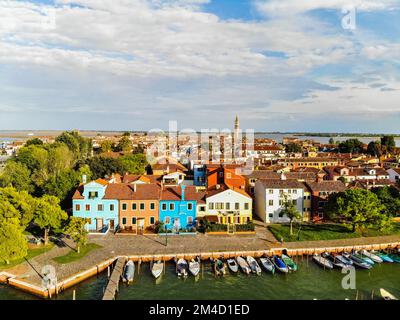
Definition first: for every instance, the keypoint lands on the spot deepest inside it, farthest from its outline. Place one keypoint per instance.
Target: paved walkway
(113, 246)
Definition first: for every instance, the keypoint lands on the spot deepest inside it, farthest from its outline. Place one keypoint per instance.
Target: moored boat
(219, 267)
(267, 264)
(372, 256)
(385, 257)
(362, 257)
(255, 268)
(394, 257)
(243, 265)
(157, 269)
(336, 263)
(357, 262)
(323, 262)
(194, 267)
(343, 259)
(386, 295)
(129, 271)
(292, 266)
(182, 268)
(232, 265)
(279, 264)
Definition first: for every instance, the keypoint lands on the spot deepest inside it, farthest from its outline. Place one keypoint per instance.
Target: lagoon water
(309, 282)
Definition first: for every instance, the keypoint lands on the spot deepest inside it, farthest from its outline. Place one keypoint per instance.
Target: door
(141, 225)
(112, 224)
(99, 224)
(177, 224)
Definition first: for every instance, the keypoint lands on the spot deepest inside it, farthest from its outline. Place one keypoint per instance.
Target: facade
(394, 174)
(199, 175)
(224, 174)
(270, 197)
(178, 206)
(139, 207)
(228, 206)
(350, 174)
(95, 201)
(319, 163)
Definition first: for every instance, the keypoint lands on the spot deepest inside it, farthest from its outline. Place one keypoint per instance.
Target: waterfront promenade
(117, 245)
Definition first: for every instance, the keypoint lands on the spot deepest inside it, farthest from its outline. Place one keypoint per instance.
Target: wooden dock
(113, 282)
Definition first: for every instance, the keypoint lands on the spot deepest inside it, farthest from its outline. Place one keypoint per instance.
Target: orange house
(138, 207)
(224, 175)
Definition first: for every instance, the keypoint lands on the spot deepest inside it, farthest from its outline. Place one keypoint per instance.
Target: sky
(280, 65)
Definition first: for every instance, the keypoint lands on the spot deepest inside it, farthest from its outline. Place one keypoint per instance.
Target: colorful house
(96, 201)
(178, 206)
(224, 174)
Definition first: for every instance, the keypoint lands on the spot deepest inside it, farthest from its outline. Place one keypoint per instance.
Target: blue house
(98, 202)
(178, 207)
(199, 175)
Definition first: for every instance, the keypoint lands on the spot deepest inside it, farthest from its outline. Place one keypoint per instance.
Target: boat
(343, 259)
(292, 266)
(194, 267)
(255, 268)
(129, 271)
(387, 295)
(181, 268)
(279, 264)
(243, 265)
(362, 257)
(232, 265)
(385, 257)
(323, 262)
(219, 267)
(357, 262)
(336, 263)
(157, 269)
(372, 256)
(267, 264)
(394, 257)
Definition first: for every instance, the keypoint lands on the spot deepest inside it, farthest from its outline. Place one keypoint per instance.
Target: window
(294, 191)
(228, 175)
(124, 206)
(164, 207)
(87, 207)
(271, 215)
(189, 220)
(202, 208)
(305, 197)
(219, 206)
(280, 214)
(111, 207)
(152, 220)
(227, 206)
(271, 202)
(280, 202)
(294, 202)
(133, 206)
(172, 206)
(271, 191)
(78, 207)
(246, 206)
(123, 221)
(93, 194)
(152, 206)
(190, 206)
(167, 220)
(237, 206)
(142, 206)
(100, 207)
(211, 206)
(133, 220)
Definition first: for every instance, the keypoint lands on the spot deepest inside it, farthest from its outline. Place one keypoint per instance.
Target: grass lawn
(33, 251)
(73, 255)
(310, 232)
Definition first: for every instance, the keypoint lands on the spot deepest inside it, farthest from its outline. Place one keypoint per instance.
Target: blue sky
(281, 65)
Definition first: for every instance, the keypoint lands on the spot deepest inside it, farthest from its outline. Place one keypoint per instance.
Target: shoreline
(41, 292)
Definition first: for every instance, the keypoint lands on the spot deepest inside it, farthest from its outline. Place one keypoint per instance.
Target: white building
(394, 174)
(270, 197)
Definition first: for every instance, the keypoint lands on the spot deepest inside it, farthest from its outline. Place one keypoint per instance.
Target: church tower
(236, 138)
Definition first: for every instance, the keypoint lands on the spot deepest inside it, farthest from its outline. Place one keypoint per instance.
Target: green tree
(390, 198)
(49, 215)
(126, 134)
(124, 144)
(77, 231)
(34, 141)
(106, 146)
(351, 146)
(331, 141)
(388, 142)
(293, 148)
(102, 166)
(81, 147)
(289, 209)
(358, 208)
(14, 204)
(13, 244)
(16, 175)
(133, 163)
(374, 149)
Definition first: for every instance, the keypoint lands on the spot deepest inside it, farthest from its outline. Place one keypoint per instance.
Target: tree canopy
(351, 146)
(13, 244)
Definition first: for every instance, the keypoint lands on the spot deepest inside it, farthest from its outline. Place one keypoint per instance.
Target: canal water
(309, 282)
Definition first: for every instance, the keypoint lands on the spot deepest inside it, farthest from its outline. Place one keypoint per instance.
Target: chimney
(183, 187)
(134, 187)
(84, 179)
